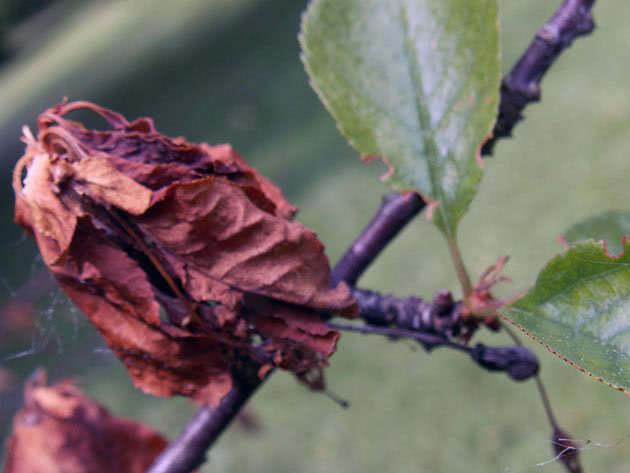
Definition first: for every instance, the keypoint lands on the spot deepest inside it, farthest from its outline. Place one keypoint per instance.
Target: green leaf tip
(579, 309)
(413, 81)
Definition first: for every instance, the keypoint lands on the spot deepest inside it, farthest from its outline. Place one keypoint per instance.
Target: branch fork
(520, 87)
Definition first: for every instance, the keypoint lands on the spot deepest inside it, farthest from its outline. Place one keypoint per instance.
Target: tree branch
(432, 325)
(519, 88)
(188, 451)
(427, 339)
(522, 85)
(442, 316)
(517, 361)
(395, 212)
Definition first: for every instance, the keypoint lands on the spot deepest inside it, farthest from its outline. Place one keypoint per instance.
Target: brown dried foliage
(130, 222)
(60, 429)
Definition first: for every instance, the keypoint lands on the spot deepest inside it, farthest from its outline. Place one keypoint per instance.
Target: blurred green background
(229, 71)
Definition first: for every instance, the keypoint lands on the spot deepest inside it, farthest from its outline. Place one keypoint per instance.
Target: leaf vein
(424, 119)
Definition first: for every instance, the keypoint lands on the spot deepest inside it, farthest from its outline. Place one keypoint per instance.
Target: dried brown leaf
(61, 430)
(130, 221)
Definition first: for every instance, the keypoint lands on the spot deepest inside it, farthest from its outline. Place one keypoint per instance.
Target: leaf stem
(460, 267)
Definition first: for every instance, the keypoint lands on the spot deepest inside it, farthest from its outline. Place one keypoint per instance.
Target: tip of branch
(343, 403)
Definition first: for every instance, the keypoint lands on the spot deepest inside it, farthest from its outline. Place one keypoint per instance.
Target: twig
(395, 212)
(539, 384)
(442, 316)
(522, 85)
(188, 450)
(426, 339)
(546, 403)
(517, 361)
(566, 451)
(432, 325)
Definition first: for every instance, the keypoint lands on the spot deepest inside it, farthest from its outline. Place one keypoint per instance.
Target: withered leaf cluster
(183, 256)
(61, 430)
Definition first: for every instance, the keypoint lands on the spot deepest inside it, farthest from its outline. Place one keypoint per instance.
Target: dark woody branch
(433, 324)
(188, 451)
(517, 361)
(395, 212)
(441, 316)
(521, 86)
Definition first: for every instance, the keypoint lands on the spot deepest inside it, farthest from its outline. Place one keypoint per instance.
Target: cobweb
(36, 318)
(571, 445)
(39, 327)
(28, 312)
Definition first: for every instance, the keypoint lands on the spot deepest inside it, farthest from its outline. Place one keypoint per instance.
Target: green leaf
(580, 309)
(610, 226)
(413, 81)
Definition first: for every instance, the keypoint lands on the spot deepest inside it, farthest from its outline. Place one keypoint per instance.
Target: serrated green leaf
(580, 309)
(610, 226)
(413, 81)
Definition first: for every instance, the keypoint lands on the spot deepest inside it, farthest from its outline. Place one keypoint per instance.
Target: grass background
(228, 71)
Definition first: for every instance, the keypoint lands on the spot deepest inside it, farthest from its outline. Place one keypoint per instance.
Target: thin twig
(546, 402)
(418, 320)
(565, 453)
(426, 339)
(521, 86)
(395, 212)
(539, 384)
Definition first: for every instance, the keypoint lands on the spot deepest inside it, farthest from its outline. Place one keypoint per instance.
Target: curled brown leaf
(134, 224)
(60, 429)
